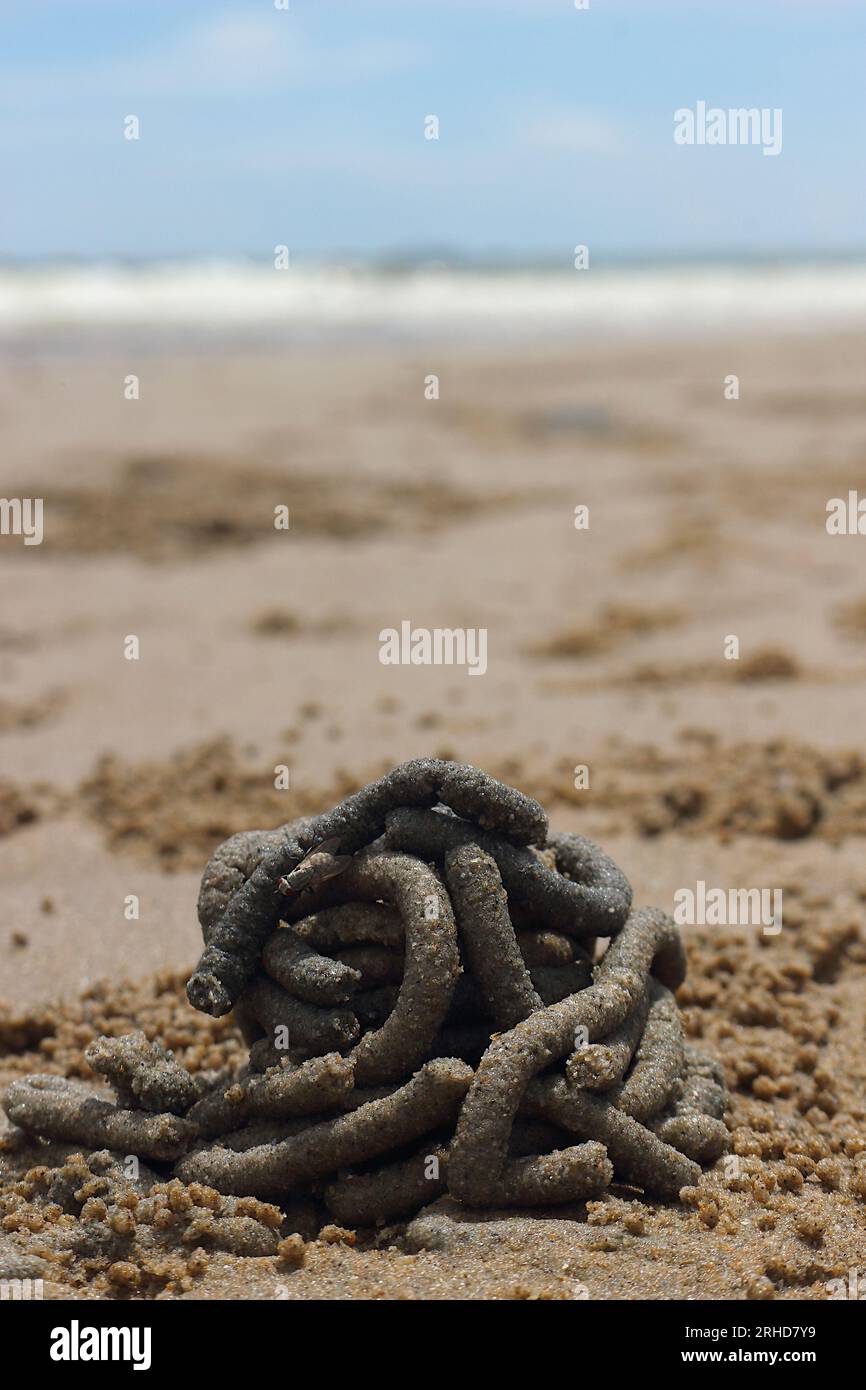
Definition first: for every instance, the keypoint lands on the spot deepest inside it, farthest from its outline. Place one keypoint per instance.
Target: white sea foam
(227, 295)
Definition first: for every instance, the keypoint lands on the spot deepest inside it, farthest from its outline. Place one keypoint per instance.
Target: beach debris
(319, 863)
(429, 1012)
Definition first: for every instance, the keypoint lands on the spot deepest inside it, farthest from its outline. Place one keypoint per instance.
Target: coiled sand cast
(433, 1014)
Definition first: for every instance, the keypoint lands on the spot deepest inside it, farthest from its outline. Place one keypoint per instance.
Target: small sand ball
(336, 1235)
(263, 1212)
(809, 1225)
(829, 1172)
(764, 1087)
(858, 1181)
(802, 1162)
(291, 1252)
(708, 1213)
(123, 1275)
(94, 1209)
(204, 1196)
(197, 1262)
(122, 1222)
(790, 1179)
(760, 1289)
(179, 1200)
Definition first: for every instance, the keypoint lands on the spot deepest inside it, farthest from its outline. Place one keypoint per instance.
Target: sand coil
(429, 1016)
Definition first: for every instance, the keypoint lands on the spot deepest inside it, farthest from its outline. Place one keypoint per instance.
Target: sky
(305, 127)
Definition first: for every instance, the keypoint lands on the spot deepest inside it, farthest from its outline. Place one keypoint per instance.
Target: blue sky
(260, 126)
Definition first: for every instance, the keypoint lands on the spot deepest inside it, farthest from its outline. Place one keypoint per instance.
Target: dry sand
(605, 648)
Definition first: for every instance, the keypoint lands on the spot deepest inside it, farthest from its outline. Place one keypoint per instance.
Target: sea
(230, 296)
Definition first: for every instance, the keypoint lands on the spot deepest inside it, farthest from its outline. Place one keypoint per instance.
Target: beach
(611, 515)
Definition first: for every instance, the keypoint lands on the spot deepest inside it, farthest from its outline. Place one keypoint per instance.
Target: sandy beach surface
(259, 648)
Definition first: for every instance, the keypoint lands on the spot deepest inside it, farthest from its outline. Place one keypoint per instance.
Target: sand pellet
(566, 1175)
(598, 906)
(235, 941)
(309, 1029)
(658, 1062)
(540, 947)
(142, 1073)
(693, 1123)
(367, 1199)
(599, 1066)
(315, 1086)
(59, 1109)
(360, 819)
(487, 936)
(429, 1100)
(304, 972)
(230, 866)
(638, 1156)
(374, 965)
(648, 941)
(432, 963)
(347, 923)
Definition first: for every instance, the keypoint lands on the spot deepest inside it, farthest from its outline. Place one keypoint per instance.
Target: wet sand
(259, 648)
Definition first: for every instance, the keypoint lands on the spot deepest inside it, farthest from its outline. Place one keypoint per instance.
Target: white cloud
(569, 131)
(237, 51)
(230, 52)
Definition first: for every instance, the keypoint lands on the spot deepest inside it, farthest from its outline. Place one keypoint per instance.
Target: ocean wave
(226, 295)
